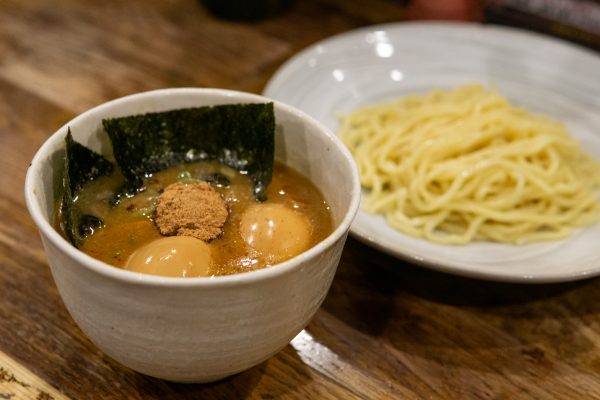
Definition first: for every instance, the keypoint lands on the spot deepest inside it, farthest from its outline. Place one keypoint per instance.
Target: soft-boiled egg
(177, 256)
(276, 231)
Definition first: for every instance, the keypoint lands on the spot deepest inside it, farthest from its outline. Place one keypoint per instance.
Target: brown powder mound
(194, 209)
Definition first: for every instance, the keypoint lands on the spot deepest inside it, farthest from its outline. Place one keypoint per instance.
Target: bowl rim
(46, 230)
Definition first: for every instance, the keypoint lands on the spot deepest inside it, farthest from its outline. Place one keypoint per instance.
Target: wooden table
(387, 329)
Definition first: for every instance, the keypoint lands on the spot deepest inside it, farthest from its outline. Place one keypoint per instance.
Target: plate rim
(450, 25)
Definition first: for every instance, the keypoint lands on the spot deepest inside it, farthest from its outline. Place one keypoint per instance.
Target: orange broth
(129, 225)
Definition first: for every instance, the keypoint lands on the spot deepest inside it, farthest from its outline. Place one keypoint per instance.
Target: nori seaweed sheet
(81, 166)
(241, 136)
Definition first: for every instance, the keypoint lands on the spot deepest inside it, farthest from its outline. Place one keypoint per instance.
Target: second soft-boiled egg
(176, 256)
(275, 230)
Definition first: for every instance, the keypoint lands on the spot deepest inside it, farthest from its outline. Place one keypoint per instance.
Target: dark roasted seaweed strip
(84, 165)
(81, 166)
(238, 135)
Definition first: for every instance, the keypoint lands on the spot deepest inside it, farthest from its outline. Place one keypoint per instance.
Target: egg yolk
(177, 256)
(275, 231)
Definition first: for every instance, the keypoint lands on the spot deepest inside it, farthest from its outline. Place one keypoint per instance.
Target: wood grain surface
(387, 329)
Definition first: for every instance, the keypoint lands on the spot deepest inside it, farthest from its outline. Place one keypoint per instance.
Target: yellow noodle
(462, 165)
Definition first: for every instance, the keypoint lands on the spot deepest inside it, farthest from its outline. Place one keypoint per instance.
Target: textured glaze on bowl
(197, 329)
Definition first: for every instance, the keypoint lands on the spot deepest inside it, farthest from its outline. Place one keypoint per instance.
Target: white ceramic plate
(386, 61)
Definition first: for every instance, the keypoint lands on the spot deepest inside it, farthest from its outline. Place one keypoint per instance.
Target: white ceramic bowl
(196, 329)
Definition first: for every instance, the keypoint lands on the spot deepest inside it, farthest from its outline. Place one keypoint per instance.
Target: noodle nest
(465, 165)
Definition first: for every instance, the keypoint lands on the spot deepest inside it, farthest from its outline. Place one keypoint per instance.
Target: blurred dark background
(574, 20)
